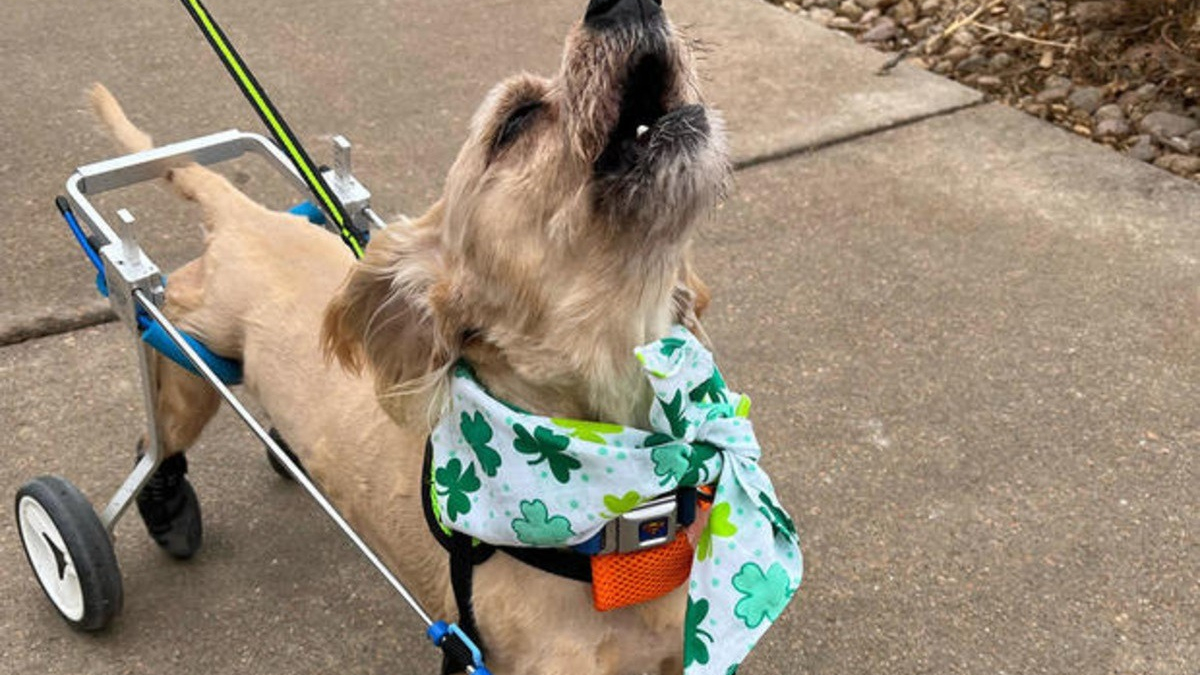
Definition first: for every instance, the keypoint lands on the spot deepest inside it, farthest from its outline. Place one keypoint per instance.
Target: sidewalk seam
(51, 324)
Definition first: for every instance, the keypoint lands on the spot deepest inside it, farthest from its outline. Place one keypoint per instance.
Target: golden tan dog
(559, 244)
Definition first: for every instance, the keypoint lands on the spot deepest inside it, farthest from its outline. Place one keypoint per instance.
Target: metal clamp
(353, 195)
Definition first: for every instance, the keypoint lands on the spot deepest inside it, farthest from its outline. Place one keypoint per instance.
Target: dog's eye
(518, 120)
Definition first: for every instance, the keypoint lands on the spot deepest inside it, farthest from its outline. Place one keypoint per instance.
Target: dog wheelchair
(67, 543)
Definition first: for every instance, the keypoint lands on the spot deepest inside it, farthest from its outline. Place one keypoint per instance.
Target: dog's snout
(602, 14)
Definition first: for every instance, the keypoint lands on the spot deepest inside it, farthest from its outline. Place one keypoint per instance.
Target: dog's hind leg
(184, 404)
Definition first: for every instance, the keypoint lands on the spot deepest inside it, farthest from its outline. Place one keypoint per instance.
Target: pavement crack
(799, 150)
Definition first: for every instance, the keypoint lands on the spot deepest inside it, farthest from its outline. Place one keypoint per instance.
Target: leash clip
(460, 649)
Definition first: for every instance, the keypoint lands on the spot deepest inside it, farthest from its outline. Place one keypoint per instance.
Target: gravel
(1167, 125)
(1110, 111)
(1184, 165)
(1052, 95)
(1143, 148)
(1117, 128)
(1087, 99)
(1128, 80)
(882, 31)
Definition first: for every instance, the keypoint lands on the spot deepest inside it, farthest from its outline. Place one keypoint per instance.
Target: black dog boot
(170, 509)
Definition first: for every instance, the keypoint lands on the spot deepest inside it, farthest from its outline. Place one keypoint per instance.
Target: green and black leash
(354, 237)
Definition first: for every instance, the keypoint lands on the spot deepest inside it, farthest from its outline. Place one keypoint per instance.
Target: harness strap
(462, 577)
(464, 556)
(466, 553)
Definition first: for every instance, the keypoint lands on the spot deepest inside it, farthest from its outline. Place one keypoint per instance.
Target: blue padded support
(227, 370)
(309, 210)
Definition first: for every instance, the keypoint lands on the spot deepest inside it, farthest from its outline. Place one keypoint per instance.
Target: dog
(559, 244)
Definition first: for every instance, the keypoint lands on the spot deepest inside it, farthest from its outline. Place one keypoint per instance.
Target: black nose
(603, 14)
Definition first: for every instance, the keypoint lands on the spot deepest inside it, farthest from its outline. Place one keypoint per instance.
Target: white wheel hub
(51, 560)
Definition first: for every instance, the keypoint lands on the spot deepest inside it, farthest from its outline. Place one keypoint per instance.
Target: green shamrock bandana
(511, 478)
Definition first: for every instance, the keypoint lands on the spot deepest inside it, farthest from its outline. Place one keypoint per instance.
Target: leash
(355, 237)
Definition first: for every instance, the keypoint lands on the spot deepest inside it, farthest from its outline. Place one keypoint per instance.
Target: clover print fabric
(515, 479)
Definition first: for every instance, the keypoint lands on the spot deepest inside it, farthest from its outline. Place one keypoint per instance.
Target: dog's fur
(540, 266)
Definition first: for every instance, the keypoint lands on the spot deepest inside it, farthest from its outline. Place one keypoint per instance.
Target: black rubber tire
(88, 554)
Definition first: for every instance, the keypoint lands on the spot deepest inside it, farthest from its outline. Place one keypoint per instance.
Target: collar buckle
(648, 526)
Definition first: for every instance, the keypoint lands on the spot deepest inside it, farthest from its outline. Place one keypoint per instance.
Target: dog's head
(560, 240)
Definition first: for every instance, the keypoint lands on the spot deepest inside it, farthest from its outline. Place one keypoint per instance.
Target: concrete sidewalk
(971, 339)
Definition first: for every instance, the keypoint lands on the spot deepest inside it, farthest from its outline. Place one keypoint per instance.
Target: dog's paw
(170, 509)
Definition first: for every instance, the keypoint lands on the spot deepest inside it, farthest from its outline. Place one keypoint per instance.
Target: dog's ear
(386, 316)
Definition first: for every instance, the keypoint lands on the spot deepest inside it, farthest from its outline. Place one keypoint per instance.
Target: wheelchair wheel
(70, 552)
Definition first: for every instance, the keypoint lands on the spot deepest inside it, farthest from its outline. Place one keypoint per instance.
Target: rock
(1087, 99)
(1184, 165)
(1036, 109)
(989, 82)
(943, 67)
(1143, 149)
(1095, 11)
(1193, 139)
(821, 15)
(791, 7)
(1036, 14)
(920, 27)
(904, 11)
(1146, 91)
(1052, 95)
(956, 53)
(1091, 39)
(842, 23)
(1132, 99)
(1113, 127)
(881, 32)
(869, 18)
(1128, 101)
(850, 10)
(963, 36)
(1112, 111)
(1177, 143)
(1058, 82)
(972, 64)
(930, 6)
(1001, 61)
(1166, 125)
(870, 4)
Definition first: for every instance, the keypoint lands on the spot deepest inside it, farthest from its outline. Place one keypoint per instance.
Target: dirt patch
(1125, 73)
